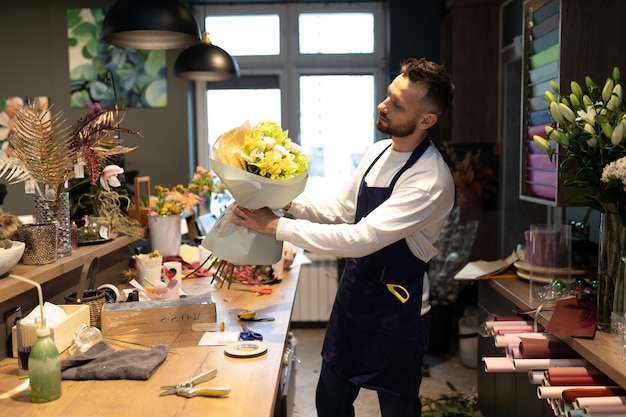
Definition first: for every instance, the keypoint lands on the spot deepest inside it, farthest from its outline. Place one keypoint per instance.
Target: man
(385, 222)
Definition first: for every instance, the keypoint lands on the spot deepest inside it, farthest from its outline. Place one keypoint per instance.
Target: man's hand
(262, 220)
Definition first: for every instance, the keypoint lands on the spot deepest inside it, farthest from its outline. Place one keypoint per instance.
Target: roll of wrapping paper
(499, 364)
(557, 392)
(582, 402)
(573, 371)
(571, 395)
(509, 318)
(493, 326)
(516, 330)
(494, 365)
(512, 350)
(535, 377)
(524, 365)
(532, 348)
(606, 410)
(502, 341)
(582, 380)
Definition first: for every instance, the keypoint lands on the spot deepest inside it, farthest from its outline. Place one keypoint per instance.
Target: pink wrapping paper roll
(557, 392)
(583, 402)
(520, 329)
(528, 364)
(493, 365)
(512, 351)
(573, 371)
(606, 409)
(504, 340)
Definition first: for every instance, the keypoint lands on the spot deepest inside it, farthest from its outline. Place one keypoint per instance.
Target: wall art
(104, 74)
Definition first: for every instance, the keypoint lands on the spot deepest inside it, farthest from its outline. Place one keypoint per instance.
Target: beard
(398, 131)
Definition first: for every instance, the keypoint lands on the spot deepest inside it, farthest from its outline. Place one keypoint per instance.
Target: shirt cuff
(284, 229)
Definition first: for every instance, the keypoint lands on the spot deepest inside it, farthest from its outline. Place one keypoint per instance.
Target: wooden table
(254, 382)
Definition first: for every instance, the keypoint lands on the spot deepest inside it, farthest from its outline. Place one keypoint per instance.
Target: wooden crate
(63, 332)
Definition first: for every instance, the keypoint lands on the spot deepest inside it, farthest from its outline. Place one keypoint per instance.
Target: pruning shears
(186, 388)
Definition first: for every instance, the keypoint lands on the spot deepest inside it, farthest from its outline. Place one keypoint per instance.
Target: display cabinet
(563, 41)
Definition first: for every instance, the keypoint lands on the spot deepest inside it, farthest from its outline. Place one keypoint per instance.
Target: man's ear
(428, 120)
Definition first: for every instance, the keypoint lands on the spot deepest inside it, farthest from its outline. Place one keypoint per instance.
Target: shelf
(572, 58)
(10, 288)
(603, 351)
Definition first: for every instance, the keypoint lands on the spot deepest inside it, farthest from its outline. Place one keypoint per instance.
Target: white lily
(618, 134)
(588, 116)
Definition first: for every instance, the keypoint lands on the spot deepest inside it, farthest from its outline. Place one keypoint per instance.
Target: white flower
(109, 177)
(616, 170)
(588, 116)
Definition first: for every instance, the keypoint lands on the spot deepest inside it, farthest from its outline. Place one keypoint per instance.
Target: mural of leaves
(102, 73)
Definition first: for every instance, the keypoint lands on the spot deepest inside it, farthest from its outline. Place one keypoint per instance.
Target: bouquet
(260, 167)
(205, 184)
(171, 201)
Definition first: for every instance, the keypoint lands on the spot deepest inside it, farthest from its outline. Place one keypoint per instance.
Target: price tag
(79, 168)
(29, 187)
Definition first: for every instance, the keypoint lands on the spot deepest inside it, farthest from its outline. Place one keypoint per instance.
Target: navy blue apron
(372, 337)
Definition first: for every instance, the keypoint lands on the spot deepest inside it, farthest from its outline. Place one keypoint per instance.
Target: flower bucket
(165, 234)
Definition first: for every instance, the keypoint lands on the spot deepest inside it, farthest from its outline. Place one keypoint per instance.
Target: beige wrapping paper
(236, 244)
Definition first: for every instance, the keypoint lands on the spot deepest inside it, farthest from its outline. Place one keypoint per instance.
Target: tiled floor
(442, 368)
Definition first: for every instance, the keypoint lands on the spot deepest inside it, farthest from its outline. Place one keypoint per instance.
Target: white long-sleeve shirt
(416, 210)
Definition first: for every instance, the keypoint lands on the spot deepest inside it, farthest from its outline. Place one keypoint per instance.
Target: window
(322, 82)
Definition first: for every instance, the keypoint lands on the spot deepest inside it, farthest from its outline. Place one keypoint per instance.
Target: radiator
(316, 289)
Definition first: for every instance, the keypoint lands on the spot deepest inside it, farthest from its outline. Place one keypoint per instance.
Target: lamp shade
(150, 24)
(206, 62)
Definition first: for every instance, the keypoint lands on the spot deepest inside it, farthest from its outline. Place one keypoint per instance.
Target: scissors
(248, 334)
(258, 291)
(186, 388)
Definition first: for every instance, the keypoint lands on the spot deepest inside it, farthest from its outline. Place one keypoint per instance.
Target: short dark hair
(435, 77)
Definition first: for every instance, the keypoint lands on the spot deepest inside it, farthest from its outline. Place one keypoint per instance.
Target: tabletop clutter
(155, 301)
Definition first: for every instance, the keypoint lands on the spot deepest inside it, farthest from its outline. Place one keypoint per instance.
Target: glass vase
(56, 211)
(612, 250)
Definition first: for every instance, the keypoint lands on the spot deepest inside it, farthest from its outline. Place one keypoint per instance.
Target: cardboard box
(157, 316)
(63, 332)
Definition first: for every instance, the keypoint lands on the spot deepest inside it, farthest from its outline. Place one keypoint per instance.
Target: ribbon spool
(246, 349)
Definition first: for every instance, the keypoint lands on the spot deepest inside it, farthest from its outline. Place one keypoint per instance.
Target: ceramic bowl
(10, 257)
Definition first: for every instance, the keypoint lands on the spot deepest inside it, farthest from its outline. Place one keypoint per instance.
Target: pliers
(186, 388)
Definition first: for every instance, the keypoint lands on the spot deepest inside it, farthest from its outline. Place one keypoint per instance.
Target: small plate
(526, 276)
(547, 270)
(93, 242)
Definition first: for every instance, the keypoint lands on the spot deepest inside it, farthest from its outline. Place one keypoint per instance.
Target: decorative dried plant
(42, 145)
(44, 151)
(91, 138)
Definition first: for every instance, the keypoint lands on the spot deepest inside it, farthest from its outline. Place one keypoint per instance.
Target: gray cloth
(101, 361)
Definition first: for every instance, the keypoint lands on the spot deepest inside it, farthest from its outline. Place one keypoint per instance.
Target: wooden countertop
(604, 351)
(10, 288)
(253, 381)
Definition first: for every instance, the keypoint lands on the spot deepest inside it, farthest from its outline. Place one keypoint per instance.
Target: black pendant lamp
(206, 62)
(150, 24)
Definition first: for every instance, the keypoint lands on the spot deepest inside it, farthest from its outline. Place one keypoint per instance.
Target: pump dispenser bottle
(44, 368)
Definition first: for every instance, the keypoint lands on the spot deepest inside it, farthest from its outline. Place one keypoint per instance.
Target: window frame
(290, 64)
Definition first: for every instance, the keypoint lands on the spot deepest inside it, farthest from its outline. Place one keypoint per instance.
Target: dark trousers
(335, 395)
